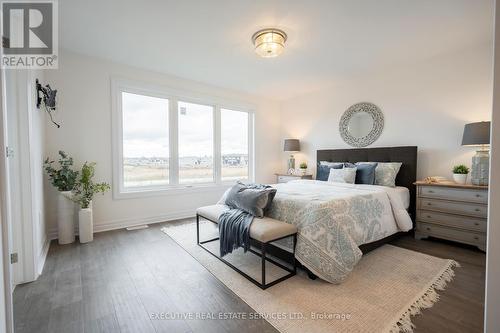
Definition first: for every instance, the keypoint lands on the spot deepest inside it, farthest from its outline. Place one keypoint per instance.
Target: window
(234, 145)
(164, 141)
(145, 140)
(196, 143)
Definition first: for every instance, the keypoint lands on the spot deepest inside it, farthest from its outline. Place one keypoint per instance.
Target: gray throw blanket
(234, 230)
(245, 202)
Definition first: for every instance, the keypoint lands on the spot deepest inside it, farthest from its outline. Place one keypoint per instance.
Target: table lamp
(478, 134)
(291, 145)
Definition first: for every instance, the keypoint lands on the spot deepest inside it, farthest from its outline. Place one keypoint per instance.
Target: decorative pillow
(385, 172)
(256, 186)
(349, 165)
(324, 170)
(365, 173)
(252, 198)
(345, 175)
(330, 163)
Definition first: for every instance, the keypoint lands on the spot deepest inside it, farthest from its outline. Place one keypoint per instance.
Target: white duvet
(333, 219)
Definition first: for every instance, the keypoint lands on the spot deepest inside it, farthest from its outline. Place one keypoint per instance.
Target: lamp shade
(476, 134)
(292, 145)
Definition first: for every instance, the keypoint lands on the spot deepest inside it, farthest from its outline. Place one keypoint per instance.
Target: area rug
(387, 287)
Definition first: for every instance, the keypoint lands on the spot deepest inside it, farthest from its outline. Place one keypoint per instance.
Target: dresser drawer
(461, 208)
(448, 193)
(456, 221)
(468, 237)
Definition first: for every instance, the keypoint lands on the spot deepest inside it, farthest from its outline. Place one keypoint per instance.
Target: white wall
(492, 311)
(38, 119)
(426, 104)
(84, 104)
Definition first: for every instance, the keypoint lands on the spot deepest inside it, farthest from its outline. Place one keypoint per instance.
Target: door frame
(7, 317)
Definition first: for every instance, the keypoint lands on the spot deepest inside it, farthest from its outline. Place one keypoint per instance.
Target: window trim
(119, 85)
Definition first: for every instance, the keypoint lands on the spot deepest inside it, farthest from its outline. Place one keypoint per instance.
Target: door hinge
(9, 152)
(13, 258)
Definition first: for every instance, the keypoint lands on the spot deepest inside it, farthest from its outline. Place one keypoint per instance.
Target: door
(14, 199)
(6, 315)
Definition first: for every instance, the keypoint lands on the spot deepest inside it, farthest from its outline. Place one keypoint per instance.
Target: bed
(339, 222)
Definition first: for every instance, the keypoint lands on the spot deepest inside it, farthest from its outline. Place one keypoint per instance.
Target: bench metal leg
(263, 247)
(197, 229)
(263, 256)
(294, 260)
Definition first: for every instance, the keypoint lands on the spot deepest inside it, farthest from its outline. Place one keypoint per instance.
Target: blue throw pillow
(324, 170)
(366, 173)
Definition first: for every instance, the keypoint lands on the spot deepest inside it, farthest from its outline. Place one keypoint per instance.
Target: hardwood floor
(125, 280)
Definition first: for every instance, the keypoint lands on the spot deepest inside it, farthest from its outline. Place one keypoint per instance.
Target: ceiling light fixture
(269, 42)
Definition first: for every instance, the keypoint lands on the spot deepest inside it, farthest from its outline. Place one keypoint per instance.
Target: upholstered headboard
(407, 155)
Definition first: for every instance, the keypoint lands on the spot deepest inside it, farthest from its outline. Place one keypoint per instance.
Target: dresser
(284, 178)
(452, 211)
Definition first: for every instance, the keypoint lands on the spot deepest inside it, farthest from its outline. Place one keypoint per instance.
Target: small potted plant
(83, 194)
(460, 173)
(63, 178)
(303, 168)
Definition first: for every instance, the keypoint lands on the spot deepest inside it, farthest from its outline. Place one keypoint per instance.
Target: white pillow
(330, 164)
(345, 175)
(386, 173)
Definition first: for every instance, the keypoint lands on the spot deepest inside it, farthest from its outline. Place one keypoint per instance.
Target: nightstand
(285, 178)
(452, 211)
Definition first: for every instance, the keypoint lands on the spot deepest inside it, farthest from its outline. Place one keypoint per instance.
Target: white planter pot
(460, 178)
(85, 225)
(65, 218)
(303, 171)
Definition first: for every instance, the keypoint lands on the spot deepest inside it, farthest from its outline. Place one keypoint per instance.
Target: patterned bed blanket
(333, 219)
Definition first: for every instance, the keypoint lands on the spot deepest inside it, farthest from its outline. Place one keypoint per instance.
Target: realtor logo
(29, 34)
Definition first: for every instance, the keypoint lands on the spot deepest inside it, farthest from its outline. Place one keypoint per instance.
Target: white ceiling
(209, 40)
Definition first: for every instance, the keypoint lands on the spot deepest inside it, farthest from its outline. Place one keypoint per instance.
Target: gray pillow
(254, 199)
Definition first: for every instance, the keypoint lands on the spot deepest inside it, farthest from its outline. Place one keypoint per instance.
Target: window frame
(119, 85)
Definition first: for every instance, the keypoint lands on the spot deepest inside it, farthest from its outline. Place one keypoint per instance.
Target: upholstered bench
(262, 231)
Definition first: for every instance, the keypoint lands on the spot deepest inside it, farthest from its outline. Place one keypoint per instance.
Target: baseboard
(125, 223)
(42, 257)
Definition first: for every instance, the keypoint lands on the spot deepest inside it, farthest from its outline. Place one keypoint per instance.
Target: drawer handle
(476, 238)
(428, 229)
(429, 204)
(431, 191)
(475, 223)
(428, 216)
(479, 196)
(478, 210)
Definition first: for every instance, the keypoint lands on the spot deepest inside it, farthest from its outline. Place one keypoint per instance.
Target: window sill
(171, 190)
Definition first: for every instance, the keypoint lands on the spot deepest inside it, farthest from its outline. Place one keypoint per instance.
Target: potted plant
(303, 167)
(460, 173)
(63, 178)
(83, 194)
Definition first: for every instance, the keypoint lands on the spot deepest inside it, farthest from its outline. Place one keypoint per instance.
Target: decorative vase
(303, 171)
(460, 178)
(65, 218)
(85, 225)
